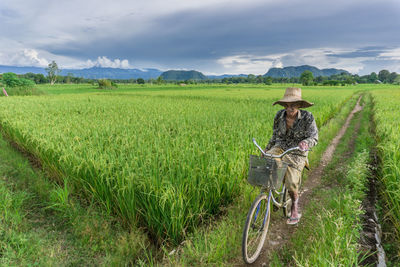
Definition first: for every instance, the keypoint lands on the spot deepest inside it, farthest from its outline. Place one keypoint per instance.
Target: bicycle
(267, 173)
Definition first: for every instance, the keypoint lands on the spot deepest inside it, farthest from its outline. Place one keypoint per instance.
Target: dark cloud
(261, 59)
(358, 53)
(8, 13)
(209, 34)
(198, 37)
(377, 65)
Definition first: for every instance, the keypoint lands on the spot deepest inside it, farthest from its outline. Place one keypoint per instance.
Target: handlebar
(277, 156)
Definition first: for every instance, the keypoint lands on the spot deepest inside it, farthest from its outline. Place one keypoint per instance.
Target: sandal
(293, 221)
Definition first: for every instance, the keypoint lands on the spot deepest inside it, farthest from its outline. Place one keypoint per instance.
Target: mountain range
(91, 73)
(151, 73)
(290, 72)
(179, 75)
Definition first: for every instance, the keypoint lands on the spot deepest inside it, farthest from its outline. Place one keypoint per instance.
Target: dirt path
(279, 232)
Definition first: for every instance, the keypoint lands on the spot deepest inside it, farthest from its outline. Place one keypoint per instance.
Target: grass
(42, 224)
(23, 91)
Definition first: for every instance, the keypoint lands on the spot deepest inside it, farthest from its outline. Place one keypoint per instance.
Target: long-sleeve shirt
(304, 129)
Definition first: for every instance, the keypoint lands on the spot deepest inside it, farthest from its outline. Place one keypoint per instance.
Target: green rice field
(166, 159)
(162, 160)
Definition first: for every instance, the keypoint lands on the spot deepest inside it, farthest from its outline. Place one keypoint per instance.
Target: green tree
(39, 78)
(350, 80)
(36, 77)
(372, 77)
(392, 77)
(69, 78)
(397, 79)
(140, 81)
(251, 78)
(268, 80)
(383, 76)
(259, 79)
(104, 84)
(52, 72)
(160, 80)
(10, 79)
(307, 78)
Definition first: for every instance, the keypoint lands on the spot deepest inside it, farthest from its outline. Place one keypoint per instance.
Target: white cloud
(108, 63)
(393, 54)
(319, 58)
(31, 57)
(243, 64)
(35, 58)
(24, 57)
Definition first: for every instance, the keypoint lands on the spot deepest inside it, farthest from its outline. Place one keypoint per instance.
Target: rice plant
(388, 133)
(165, 161)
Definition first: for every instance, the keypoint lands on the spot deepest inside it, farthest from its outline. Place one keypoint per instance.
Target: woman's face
(292, 109)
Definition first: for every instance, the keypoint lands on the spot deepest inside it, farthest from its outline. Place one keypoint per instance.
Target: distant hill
(21, 70)
(182, 75)
(225, 76)
(91, 73)
(112, 73)
(116, 73)
(297, 71)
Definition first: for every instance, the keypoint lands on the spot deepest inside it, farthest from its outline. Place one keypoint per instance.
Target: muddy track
(279, 232)
(371, 234)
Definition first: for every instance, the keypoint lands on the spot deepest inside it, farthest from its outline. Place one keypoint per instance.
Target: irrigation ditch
(371, 235)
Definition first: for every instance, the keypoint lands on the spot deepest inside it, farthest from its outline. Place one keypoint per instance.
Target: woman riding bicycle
(293, 127)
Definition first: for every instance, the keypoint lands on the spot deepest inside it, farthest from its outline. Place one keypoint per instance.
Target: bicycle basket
(266, 172)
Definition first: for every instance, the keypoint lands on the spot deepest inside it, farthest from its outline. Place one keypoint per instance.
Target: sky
(211, 36)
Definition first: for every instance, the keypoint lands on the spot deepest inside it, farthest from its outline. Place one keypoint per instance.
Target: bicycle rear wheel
(256, 228)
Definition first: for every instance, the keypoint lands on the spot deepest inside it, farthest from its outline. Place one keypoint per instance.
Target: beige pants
(293, 175)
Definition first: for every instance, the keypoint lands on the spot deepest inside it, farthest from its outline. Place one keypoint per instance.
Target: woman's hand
(303, 146)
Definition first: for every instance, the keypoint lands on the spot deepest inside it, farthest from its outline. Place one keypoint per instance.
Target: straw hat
(292, 95)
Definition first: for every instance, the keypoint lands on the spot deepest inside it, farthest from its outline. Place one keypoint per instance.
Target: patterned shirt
(304, 129)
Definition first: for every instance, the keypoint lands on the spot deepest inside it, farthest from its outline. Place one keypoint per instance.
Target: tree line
(306, 78)
(384, 76)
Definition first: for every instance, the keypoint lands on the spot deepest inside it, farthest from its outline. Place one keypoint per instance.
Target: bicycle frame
(275, 156)
(272, 191)
(274, 201)
(258, 209)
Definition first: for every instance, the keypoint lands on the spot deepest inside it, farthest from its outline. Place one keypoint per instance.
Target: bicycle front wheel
(256, 228)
